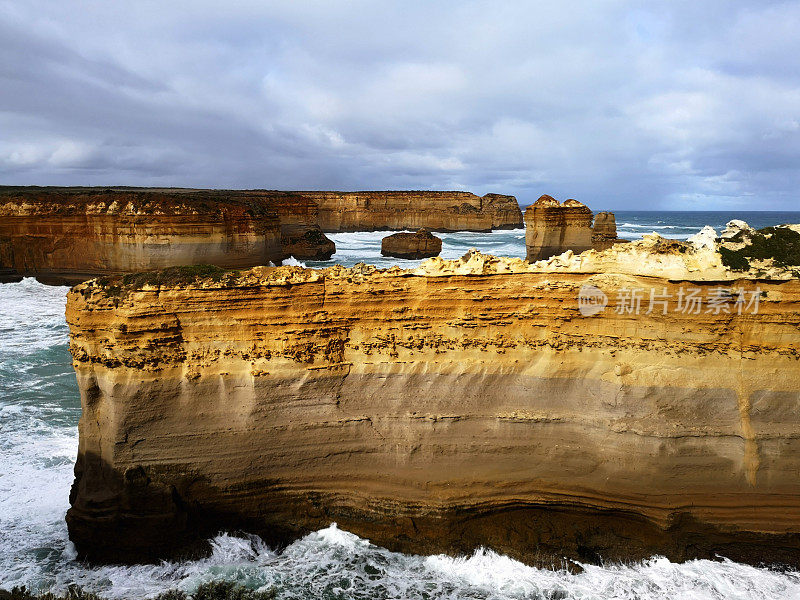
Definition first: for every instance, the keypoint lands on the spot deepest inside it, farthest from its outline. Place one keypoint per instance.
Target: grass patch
(118, 287)
(781, 244)
(734, 260)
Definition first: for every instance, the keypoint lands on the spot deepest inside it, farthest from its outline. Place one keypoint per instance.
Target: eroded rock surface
(604, 231)
(422, 244)
(460, 404)
(433, 210)
(306, 242)
(552, 228)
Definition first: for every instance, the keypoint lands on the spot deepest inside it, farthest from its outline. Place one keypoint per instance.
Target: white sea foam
(292, 262)
(332, 563)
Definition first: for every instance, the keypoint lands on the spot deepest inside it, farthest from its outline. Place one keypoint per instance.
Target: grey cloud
(621, 103)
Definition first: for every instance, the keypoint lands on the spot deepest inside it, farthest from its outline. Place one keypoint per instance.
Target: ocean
(39, 411)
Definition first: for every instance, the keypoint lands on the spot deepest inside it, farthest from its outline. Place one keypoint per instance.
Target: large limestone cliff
(384, 210)
(69, 235)
(464, 403)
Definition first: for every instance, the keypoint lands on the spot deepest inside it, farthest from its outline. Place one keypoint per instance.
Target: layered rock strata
(460, 404)
(64, 236)
(604, 231)
(436, 211)
(422, 244)
(552, 228)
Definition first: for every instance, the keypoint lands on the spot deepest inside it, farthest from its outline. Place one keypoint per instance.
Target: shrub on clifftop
(780, 244)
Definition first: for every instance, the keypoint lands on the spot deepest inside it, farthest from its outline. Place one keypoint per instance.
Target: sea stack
(552, 228)
(422, 244)
(306, 242)
(604, 231)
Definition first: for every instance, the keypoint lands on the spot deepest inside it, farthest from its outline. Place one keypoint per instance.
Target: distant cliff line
(335, 211)
(67, 235)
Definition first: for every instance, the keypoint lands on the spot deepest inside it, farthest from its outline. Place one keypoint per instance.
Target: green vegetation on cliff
(170, 277)
(778, 243)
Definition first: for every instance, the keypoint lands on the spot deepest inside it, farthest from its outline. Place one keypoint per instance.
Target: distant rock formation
(433, 210)
(604, 231)
(421, 244)
(67, 235)
(461, 404)
(306, 242)
(552, 228)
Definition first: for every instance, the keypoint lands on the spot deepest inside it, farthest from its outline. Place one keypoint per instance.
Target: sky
(623, 105)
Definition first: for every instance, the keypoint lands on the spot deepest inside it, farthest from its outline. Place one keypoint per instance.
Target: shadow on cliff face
(140, 516)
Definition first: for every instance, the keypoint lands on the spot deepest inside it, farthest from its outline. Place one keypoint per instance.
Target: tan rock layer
(552, 228)
(68, 236)
(421, 244)
(434, 411)
(433, 210)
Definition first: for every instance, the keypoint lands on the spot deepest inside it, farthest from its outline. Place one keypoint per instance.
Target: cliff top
(696, 260)
(34, 200)
(28, 201)
(548, 202)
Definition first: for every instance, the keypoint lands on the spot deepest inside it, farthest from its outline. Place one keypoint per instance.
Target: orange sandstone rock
(604, 231)
(422, 244)
(433, 210)
(68, 235)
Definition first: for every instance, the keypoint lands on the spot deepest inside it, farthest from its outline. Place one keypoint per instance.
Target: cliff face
(461, 404)
(552, 228)
(436, 211)
(69, 236)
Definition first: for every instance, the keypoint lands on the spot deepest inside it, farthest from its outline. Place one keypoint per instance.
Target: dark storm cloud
(621, 104)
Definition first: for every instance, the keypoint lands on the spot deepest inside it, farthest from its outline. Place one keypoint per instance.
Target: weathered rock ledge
(459, 404)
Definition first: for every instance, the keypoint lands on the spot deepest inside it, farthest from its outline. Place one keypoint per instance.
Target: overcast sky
(642, 105)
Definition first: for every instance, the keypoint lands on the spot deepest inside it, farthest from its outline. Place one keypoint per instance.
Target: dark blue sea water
(681, 225)
(39, 411)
